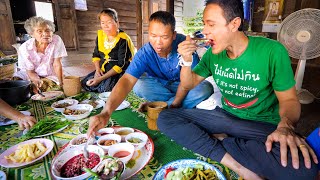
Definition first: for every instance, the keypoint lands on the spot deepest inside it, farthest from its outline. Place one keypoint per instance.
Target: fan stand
(304, 96)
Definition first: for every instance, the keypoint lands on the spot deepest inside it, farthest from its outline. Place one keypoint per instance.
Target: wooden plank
(121, 6)
(121, 2)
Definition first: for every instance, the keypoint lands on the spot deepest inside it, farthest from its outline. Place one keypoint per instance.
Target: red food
(169, 170)
(121, 154)
(74, 167)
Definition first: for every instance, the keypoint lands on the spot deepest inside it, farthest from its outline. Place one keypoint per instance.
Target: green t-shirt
(247, 83)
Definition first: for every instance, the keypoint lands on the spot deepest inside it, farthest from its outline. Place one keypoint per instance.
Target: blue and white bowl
(183, 163)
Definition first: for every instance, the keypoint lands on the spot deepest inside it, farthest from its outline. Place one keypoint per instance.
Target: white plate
(25, 132)
(104, 96)
(3, 162)
(71, 102)
(123, 105)
(6, 121)
(186, 163)
(49, 95)
(85, 107)
(100, 103)
(3, 175)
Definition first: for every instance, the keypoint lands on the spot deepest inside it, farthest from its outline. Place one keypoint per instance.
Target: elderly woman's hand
(37, 83)
(26, 122)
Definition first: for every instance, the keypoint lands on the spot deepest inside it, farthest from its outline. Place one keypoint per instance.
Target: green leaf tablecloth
(165, 150)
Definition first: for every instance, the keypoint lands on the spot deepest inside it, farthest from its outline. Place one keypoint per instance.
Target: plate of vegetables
(46, 127)
(188, 169)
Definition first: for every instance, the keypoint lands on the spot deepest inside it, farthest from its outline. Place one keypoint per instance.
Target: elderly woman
(40, 57)
(112, 54)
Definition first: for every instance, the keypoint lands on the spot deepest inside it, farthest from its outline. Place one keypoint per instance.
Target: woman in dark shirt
(112, 54)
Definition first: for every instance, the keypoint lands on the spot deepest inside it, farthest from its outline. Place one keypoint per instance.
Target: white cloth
(214, 100)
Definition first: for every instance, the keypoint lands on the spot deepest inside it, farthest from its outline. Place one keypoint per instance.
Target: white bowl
(105, 131)
(104, 96)
(126, 148)
(71, 102)
(65, 157)
(83, 107)
(123, 132)
(81, 137)
(143, 138)
(102, 139)
(99, 103)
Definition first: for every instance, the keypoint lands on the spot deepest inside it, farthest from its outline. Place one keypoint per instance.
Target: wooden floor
(77, 64)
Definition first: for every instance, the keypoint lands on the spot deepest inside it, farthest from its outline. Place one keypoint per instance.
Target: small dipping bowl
(123, 151)
(137, 139)
(123, 132)
(107, 139)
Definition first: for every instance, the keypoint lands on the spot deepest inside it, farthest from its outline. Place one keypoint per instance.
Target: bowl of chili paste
(71, 164)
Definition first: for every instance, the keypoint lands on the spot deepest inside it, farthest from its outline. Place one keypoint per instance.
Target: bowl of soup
(123, 132)
(123, 151)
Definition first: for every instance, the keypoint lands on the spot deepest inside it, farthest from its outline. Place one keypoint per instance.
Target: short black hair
(165, 18)
(231, 9)
(110, 12)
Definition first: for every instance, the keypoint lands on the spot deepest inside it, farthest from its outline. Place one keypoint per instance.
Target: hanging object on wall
(272, 15)
(80, 5)
(247, 12)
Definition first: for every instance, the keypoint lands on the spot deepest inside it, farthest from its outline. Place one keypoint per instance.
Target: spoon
(85, 148)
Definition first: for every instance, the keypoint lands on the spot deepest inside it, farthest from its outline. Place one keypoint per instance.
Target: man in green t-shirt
(254, 132)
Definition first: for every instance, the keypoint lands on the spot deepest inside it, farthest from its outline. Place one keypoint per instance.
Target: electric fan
(300, 34)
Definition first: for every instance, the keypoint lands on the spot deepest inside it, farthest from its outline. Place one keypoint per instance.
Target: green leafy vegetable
(82, 96)
(45, 126)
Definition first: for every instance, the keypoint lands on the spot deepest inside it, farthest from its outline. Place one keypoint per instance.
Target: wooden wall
(149, 7)
(88, 23)
(178, 14)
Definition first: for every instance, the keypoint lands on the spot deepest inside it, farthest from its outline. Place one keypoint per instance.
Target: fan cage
(303, 20)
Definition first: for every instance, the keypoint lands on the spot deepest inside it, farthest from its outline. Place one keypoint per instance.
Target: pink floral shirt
(42, 64)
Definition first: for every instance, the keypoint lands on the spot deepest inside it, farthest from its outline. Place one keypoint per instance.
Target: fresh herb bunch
(45, 126)
(82, 96)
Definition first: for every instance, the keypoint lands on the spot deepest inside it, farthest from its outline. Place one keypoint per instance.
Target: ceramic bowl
(123, 151)
(102, 140)
(79, 140)
(65, 157)
(69, 102)
(104, 96)
(137, 139)
(86, 108)
(123, 132)
(105, 131)
(95, 104)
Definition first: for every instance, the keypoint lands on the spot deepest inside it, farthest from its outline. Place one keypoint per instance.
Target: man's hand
(97, 122)
(287, 137)
(98, 73)
(26, 122)
(93, 82)
(175, 105)
(186, 48)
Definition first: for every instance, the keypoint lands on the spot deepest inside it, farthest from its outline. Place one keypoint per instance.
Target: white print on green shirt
(237, 82)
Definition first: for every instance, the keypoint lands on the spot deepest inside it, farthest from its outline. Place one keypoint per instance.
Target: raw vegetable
(82, 96)
(188, 173)
(45, 126)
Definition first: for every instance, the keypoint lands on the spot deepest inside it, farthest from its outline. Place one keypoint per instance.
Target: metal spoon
(85, 148)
